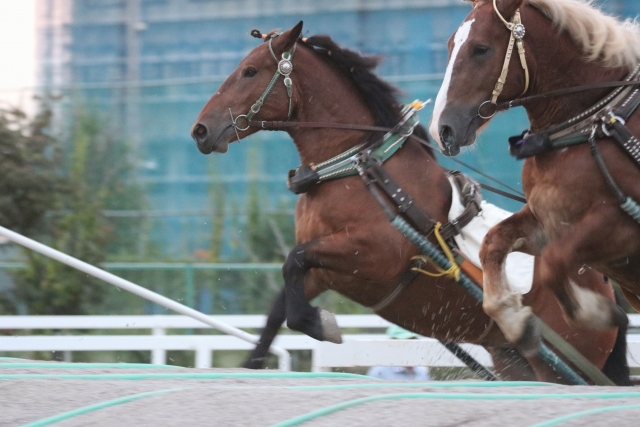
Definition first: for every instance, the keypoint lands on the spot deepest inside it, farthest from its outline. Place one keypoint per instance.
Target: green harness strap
(344, 164)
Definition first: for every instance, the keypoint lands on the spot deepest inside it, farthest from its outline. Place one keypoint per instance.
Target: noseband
(285, 67)
(517, 31)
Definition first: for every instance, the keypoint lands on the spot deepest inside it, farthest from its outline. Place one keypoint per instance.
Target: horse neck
(557, 64)
(329, 97)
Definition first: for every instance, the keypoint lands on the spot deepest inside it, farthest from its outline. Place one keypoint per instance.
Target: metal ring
(489, 116)
(235, 123)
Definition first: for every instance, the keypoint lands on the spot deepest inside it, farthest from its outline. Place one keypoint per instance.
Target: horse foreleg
(275, 319)
(302, 316)
(585, 242)
(521, 232)
(509, 365)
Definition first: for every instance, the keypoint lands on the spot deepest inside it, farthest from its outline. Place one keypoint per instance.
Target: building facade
(150, 65)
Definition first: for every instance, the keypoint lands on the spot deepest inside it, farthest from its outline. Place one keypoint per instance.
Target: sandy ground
(269, 401)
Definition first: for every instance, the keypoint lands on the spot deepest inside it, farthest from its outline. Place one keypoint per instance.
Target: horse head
(478, 54)
(244, 93)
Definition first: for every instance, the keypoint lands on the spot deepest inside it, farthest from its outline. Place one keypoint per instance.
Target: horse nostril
(199, 132)
(446, 134)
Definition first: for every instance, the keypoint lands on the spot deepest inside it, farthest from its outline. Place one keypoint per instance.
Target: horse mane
(380, 96)
(601, 37)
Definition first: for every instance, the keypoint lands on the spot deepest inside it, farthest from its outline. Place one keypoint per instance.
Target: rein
(281, 126)
(561, 92)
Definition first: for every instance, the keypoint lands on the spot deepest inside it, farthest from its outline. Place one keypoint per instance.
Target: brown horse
(573, 219)
(345, 242)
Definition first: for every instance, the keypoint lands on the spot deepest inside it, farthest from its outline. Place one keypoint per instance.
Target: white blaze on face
(441, 100)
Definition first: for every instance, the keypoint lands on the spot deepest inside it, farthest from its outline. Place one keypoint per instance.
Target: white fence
(357, 349)
(284, 358)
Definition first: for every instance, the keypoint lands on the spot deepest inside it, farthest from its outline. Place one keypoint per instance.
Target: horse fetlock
(519, 327)
(529, 342)
(306, 321)
(330, 329)
(596, 311)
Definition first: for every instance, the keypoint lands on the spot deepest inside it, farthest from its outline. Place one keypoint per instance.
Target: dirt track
(250, 400)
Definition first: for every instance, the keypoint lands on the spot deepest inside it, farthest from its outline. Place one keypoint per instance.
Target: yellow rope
(453, 272)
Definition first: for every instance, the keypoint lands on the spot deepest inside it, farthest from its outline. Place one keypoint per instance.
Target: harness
(607, 118)
(517, 32)
(398, 206)
(367, 160)
(285, 67)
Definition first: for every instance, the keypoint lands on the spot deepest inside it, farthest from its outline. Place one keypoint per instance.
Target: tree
(96, 175)
(29, 171)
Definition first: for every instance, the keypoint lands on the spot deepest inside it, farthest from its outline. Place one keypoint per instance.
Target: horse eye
(250, 72)
(480, 50)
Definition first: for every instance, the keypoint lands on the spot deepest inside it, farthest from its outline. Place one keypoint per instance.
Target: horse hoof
(330, 329)
(254, 363)
(529, 342)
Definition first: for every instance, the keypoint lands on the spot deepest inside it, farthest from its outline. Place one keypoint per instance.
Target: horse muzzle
(456, 130)
(209, 140)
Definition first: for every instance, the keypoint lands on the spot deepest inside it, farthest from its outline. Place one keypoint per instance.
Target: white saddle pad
(519, 267)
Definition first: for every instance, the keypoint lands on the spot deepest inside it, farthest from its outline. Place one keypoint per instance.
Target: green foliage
(29, 171)
(96, 173)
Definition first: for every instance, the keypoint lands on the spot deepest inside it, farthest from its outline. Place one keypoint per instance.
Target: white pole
(284, 358)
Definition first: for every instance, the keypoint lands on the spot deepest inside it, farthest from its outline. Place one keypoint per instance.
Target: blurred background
(97, 98)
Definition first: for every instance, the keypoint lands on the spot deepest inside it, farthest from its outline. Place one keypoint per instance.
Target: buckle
(456, 226)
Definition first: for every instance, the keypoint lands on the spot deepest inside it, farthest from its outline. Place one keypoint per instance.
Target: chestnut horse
(345, 242)
(576, 178)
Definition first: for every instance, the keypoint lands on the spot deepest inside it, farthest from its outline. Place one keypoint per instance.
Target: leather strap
(404, 203)
(561, 92)
(405, 280)
(627, 141)
(471, 197)
(280, 125)
(402, 200)
(633, 299)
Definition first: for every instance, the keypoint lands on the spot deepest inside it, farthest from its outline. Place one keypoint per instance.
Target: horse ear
(292, 36)
(508, 8)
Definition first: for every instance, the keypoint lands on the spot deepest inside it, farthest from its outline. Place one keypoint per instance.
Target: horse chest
(557, 196)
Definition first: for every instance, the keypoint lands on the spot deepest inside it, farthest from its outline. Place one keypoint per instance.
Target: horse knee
(490, 253)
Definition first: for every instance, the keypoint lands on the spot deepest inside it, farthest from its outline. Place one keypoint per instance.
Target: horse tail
(616, 367)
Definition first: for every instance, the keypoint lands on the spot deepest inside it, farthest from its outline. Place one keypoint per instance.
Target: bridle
(517, 31)
(285, 67)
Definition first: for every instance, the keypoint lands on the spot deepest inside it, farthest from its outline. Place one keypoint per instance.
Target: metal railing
(371, 349)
